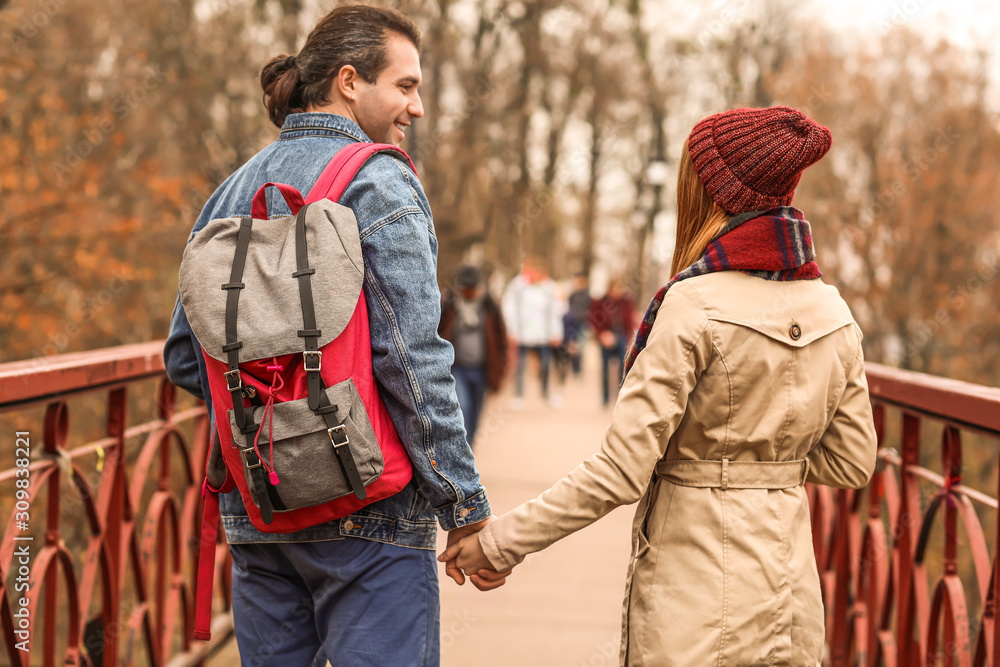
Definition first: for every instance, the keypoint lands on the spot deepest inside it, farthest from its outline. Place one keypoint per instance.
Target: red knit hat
(751, 159)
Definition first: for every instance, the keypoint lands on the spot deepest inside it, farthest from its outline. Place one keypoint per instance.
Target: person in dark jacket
(471, 321)
(612, 319)
(575, 321)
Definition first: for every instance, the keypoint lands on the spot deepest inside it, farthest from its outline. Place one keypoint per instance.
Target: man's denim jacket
(411, 363)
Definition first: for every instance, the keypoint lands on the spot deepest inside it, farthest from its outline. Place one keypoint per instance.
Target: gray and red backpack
(278, 308)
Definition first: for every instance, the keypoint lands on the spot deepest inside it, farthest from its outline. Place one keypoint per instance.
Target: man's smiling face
(385, 108)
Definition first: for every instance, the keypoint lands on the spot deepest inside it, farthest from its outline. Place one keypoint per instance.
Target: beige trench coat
(738, 371)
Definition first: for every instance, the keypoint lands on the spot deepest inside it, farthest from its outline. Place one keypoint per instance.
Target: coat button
(464, 512)
(348, 525)
(795, 332)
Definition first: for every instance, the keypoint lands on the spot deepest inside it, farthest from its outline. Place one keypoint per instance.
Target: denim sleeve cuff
(470, 510)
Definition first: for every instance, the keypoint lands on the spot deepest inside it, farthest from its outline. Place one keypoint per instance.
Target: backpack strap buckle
(247, 461)
(258, 484)
(317, 356)
(338, 436)
(348, 466)
(230, 376)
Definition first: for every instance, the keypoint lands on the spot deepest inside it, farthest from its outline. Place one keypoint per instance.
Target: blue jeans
(354, 602)
(544, 353)
(470, 384)
(617, 353)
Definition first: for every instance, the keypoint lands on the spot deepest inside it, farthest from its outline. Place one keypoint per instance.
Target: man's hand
(467, 555)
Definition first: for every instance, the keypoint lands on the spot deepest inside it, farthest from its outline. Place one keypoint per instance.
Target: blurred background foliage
(551, 128)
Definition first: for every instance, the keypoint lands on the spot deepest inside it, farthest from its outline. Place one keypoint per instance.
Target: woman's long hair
(699, 219)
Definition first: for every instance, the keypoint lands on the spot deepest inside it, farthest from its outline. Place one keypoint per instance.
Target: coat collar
(321, 125)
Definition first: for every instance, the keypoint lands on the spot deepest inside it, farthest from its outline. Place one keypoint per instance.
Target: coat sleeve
(649, 409)
(845, 455)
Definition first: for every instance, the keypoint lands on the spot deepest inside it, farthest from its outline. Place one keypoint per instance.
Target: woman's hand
(470, 558)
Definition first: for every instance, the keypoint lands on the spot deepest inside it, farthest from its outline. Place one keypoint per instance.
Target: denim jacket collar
(315, 124)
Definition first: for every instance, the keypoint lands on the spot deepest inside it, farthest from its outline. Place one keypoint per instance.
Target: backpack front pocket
(303, 452)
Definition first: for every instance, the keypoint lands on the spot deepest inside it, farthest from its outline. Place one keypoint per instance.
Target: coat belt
(726, 474)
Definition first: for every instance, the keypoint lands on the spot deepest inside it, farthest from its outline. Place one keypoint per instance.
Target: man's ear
(346, 82)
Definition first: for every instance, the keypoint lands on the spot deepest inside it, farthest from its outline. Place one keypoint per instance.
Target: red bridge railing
(901, 584)
(97, 559)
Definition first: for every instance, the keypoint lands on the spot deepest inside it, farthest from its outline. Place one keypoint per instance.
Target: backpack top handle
(258, 209)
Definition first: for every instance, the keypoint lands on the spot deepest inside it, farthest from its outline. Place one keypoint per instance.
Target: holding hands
(465, 556)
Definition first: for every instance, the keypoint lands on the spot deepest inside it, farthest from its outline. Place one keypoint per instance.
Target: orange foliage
(118, 119)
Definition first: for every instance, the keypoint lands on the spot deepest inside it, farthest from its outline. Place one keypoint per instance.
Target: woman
(746, 380)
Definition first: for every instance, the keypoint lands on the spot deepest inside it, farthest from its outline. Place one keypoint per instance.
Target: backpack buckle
(315, 354)
(229, 380)
(246, 461)
(338, 436)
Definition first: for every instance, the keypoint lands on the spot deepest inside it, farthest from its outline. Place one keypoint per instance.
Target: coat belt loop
(805, 470)
(725, 474)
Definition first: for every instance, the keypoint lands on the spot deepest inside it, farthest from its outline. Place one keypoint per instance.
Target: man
(471, 321)
(533, 315)
(363, 590)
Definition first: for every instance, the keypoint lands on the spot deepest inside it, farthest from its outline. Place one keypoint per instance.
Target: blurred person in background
(532, 313)
(612, 319)
(575, 322)
(722, 570)
(472, 323)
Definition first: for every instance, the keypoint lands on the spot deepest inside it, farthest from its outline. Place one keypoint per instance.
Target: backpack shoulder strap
(345, 165)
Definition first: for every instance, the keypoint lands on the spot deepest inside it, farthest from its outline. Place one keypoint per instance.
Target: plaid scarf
(775, 244)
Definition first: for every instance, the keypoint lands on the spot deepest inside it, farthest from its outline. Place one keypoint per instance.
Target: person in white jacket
(533, 312)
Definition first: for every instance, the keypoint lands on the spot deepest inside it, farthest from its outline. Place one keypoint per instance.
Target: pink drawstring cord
(276, 385)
